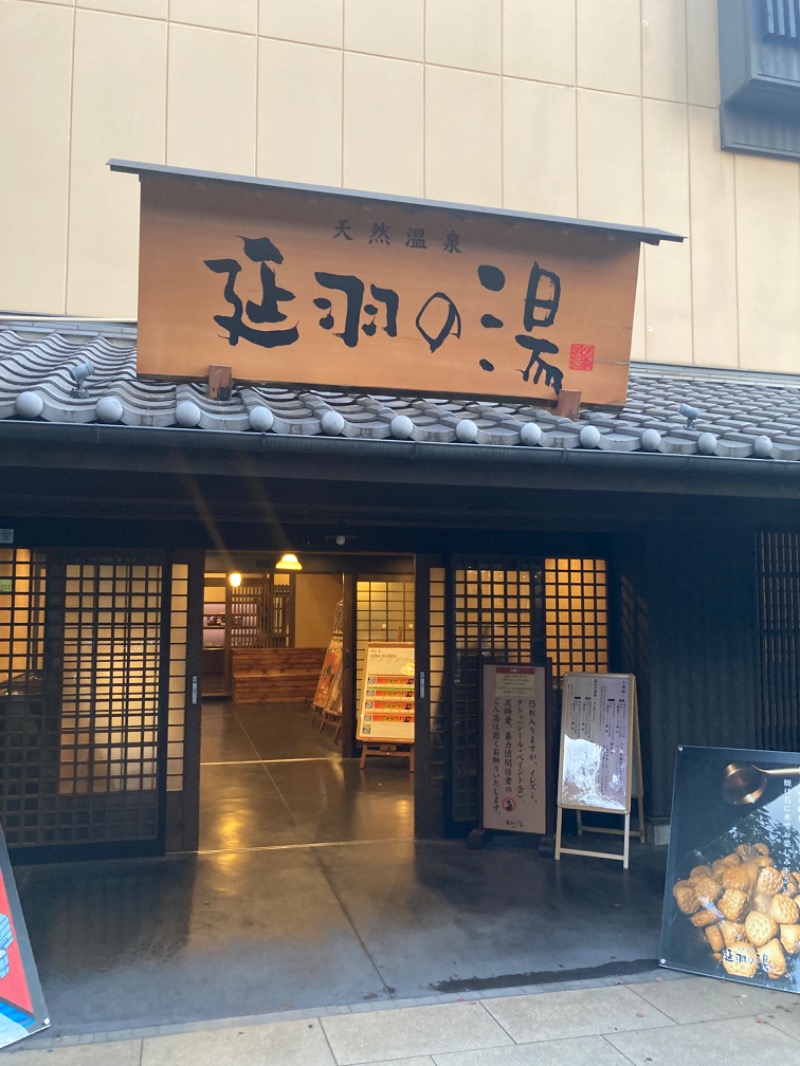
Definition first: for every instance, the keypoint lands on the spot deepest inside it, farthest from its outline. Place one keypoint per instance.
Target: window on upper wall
(759, 64)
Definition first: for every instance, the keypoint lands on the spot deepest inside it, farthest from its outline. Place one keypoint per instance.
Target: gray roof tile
(741, 416)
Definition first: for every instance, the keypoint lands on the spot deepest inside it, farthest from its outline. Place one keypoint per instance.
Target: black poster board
(732, 896)
(22, 1007)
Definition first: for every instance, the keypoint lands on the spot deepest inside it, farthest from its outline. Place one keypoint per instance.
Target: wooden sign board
(386, 711)
(514, 748)
(599, 750)
(329, 289)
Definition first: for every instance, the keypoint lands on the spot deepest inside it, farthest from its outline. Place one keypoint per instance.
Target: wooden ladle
(743, 783)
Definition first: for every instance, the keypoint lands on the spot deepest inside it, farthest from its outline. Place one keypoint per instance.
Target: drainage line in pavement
(547, 977)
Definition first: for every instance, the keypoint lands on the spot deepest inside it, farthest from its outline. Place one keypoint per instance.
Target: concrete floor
(268, 778)
(309, 892)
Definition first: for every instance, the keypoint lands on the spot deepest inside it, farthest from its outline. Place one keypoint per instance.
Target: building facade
(640, 540)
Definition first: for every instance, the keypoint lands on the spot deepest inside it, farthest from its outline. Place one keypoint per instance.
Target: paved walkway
(130, 943)
(655, 1019)
(281, 946)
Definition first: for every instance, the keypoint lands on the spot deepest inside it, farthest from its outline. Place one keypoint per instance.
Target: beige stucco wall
(602, 109)
(316, 596)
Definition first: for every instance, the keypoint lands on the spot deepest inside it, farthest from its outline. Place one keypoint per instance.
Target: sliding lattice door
(90, 699)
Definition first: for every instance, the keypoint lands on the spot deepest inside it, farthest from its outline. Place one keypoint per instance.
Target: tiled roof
(740, 415)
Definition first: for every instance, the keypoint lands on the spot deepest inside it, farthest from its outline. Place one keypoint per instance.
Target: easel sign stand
(397, 751)
(327, 704)
(600, 765)
(386, 713)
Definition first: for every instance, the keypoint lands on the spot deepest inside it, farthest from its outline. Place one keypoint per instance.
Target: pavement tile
(300, 1043)
(119, 1053)
(583, 1051)
(588, 1012)
(504, 993)
(663, 975)
(729, 1041)
(785, 1016)
(705, 999)
(411, 1031)
(418, 1060)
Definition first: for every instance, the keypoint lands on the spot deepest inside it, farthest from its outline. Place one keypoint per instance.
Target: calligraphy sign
(322, 288)
(514, 748)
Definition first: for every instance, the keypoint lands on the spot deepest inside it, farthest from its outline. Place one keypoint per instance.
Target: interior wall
(316, 596)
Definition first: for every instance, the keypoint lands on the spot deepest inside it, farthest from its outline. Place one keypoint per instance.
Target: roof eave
(647, 235)
(717, 475)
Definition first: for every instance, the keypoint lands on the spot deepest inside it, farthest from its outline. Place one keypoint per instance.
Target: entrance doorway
(275, 772)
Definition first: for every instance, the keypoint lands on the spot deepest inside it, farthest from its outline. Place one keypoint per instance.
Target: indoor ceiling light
(288, 561)
(235, 579)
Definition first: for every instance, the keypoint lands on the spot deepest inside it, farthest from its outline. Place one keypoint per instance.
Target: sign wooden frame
(536, 817)
(599, 729)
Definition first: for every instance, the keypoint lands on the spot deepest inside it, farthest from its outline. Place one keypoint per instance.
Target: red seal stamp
(581, 357)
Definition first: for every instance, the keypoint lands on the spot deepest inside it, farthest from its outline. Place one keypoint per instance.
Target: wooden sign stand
(386, 711)
(600, 711)
(400, 751)
(327, 704)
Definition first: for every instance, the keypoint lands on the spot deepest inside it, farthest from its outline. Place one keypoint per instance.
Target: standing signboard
(386, 710)
(331, 667)
(328, 697)
(327, 703)
(22, 1008)
(514, 761)
(600, 754)
(732, 896)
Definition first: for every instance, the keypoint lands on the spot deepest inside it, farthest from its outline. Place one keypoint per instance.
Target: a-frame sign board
(22, 1007)
(600, 765)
